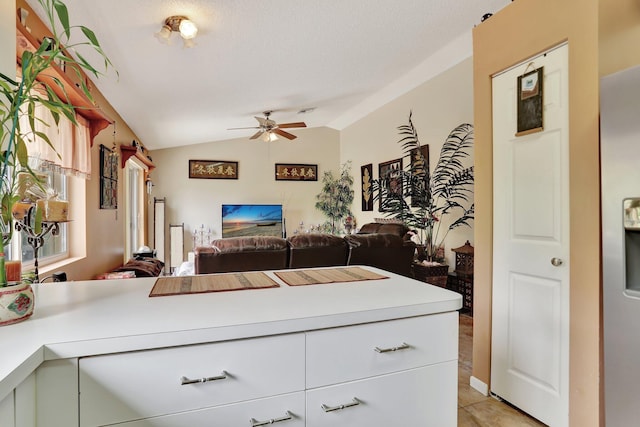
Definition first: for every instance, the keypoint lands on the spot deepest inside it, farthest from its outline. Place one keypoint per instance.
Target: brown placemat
(329, 275)
(203, 283)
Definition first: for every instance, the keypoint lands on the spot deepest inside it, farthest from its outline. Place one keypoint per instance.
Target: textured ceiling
(255, 55)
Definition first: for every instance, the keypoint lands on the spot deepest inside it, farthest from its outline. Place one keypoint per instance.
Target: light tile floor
(475, 409)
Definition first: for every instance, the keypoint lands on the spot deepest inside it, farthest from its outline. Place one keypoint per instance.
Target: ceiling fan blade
(292, 125)
(257, 135)
(284, 134)
(251, 127)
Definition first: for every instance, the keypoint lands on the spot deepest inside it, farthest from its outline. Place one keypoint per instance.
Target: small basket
(432, 274)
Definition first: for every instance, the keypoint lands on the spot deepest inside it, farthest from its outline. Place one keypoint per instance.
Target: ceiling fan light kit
(269, 130)
(179, 24)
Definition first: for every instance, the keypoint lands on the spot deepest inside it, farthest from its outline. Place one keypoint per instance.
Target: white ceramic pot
(16, 303)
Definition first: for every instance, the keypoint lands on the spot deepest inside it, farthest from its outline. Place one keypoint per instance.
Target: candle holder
(34, 239)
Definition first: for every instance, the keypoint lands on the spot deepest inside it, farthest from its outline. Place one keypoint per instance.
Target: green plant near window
(428, 197)
(336, 198)
(20, 97)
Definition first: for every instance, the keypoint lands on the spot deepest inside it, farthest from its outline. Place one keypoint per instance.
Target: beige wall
(510, 37)
(7, 37)
(619, 35)
(438, 106)
(197, 202)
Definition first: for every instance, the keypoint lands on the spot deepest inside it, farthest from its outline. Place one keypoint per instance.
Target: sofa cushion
(384, 228)
(316, 250)
(245, 244)
(242, 254)
(386, 251)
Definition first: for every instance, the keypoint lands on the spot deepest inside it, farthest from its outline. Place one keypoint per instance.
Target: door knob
(556, 262)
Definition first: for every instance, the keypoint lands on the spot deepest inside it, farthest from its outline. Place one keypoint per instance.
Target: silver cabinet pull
(403, 346)
(354, 402)
(185, 380)
(255, 423)
(556, 262)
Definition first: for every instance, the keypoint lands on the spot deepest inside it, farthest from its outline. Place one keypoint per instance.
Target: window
(134, 207)
(70, 160)
(55, 247)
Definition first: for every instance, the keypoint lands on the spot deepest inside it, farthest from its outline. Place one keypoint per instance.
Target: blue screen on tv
(251, 220)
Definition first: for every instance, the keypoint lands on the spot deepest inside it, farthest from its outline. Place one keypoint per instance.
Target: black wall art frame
(530, 102)
(108, 178)
(419, 165)
(391, 173)
(366, 176)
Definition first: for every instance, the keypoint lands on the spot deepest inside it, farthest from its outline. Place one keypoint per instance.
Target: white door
(530, 314)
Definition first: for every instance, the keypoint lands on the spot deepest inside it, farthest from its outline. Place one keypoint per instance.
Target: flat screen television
(251, 220)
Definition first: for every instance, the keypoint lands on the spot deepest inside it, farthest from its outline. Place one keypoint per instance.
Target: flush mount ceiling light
(179, 24)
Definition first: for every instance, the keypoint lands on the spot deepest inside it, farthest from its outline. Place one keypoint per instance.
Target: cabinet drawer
(129, 386)
(355, 352)
(285, 411)
(424, 397)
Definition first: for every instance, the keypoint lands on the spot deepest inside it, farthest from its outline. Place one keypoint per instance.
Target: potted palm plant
(431, 203)
(18, 98)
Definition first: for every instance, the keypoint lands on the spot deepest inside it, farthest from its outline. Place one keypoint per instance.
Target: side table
(462, 284)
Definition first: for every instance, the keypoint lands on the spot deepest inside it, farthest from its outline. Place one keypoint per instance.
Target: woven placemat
(329, 275)
(203, 283)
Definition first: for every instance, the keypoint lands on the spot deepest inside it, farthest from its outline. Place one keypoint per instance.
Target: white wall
(198, 201)
(438, 105)
(8, 37)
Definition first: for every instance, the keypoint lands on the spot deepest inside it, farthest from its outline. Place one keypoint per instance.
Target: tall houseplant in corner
(20, 96)
(428, 198)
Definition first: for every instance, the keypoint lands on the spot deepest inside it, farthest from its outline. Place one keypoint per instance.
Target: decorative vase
(16, 303)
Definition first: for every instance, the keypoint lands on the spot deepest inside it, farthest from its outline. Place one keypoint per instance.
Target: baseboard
(479, 386)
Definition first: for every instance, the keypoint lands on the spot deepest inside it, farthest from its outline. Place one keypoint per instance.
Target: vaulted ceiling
(341, 58)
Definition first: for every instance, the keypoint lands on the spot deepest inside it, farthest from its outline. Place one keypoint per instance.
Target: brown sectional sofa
(242, 254)
(391, 252)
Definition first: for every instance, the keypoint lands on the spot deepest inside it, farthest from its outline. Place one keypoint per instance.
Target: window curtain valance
(71, 151)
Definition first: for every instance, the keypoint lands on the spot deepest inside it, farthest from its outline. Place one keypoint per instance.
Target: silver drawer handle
(185, 380)
(256, 423)
(404, 346)
(354, 402)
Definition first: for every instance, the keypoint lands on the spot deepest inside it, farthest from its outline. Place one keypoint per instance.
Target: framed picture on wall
(419, 164)
(390, 176)
(108, 178)
(530, 102)
(366, 176)
(296, 172)
(213, 169)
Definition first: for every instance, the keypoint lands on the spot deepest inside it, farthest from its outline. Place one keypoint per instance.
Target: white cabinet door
(129, 386)
(530, 309)
(18, 408)
(355, 352)
(425, 397)
(7, 417)
(283, 411)
(25, 395)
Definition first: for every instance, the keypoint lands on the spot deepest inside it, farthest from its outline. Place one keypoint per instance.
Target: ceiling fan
(269, 130)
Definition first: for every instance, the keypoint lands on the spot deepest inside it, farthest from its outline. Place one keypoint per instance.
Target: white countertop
(74, 319)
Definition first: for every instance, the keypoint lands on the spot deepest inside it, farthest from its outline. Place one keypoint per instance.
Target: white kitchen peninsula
(376, 353)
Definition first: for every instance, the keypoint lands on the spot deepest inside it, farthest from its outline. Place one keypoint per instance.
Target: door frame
(509, 37)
